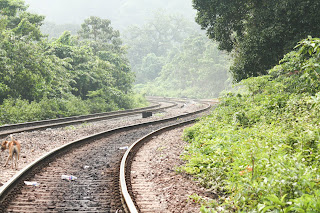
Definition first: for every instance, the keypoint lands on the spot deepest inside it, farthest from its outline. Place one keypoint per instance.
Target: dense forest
(157, 34)
(63, 69)
(66, 76)
(258, 34)
(259, 149)
(172, 57)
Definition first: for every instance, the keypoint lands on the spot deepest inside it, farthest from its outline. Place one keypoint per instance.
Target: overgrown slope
(259, 149)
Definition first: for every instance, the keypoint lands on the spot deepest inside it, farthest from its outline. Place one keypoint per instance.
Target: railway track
(94, 160)
(128, 197)
(6, 130)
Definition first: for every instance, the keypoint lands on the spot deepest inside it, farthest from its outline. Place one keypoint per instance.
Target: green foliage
(260, 147)
(197, 69)
(303, 66)
(68, 76)
(18, 110)
(151, 67)
(27, 71)
(151, 43)
(13, 13)
(258, 33)
(100, 34)
(111, 67)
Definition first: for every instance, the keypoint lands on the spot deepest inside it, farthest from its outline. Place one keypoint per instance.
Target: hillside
(259, 150)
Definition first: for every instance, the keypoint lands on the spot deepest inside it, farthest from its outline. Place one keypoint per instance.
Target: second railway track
(93, 160)
(6, 130)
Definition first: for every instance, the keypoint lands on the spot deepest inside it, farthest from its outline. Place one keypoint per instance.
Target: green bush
(260, 148)
(19, 111)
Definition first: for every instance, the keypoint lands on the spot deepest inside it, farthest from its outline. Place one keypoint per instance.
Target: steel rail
(72, 118)
(127, 198)
(54, 123)
(21, 175)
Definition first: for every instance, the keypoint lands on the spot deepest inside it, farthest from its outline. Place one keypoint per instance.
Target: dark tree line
(258, 33)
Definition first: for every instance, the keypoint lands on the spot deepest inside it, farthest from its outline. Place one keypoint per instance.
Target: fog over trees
(122, 13)
(167, 51)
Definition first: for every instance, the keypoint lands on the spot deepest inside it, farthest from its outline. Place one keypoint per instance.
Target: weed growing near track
(260, 147)
(19, 111)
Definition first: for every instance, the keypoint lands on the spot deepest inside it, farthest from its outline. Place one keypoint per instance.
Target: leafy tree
(154, 40)
(196, 69)
(151, 67)
(258, 32)
(21, 22)
(99, 71)
(80, 60)
(10, 9)
(107, 46)
(88, 72)
(120, 70)
(27, 71)
(100, 34)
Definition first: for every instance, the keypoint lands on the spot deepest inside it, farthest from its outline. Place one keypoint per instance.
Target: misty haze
(94, 76)
(122, 13)
(155, 32)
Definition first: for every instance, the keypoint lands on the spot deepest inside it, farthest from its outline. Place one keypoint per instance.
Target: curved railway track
(128, 198)
(6, 130)
(94, 160)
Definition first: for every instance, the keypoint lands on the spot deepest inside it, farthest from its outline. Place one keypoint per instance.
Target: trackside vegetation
(65, 76)
(259, 149)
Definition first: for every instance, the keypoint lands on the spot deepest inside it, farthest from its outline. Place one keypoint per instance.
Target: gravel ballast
(158, 159)
(156, 184)
(37, 143)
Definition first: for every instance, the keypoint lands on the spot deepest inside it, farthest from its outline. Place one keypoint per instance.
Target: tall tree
(196, 69)
(107, 45)
(15, 16)
(101, 35)
(153, 41)
(27, 70)
(258, 32)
